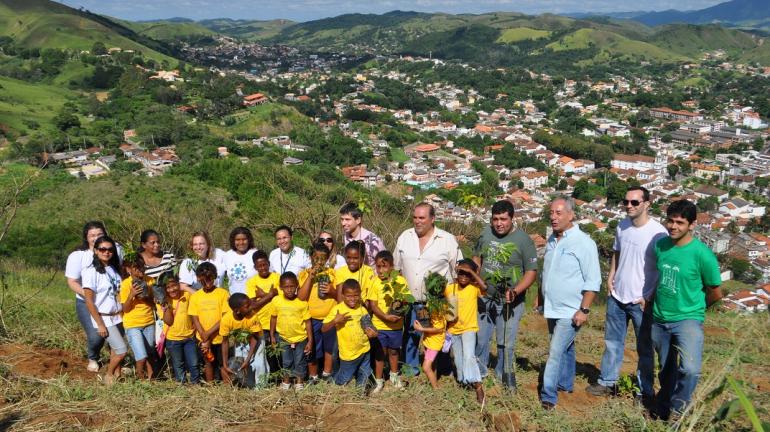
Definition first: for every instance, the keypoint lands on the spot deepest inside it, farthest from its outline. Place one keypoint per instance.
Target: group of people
(295, 317)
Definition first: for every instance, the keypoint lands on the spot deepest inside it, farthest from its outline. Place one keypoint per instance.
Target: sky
(306, 10)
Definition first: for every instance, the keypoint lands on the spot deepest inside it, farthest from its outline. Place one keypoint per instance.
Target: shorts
(115, 339)
(140, 339)
(323, 342)
(430, 354)
(390, 338)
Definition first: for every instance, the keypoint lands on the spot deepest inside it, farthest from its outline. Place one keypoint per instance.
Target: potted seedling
(396, 295)
(321, 275)
(366, 322)
(436, 302)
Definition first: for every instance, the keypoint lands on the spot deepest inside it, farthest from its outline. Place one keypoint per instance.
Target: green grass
(257, 121)
(168, 31)
(21, 101)
(612, 44)
(398, 154)
(519, 34)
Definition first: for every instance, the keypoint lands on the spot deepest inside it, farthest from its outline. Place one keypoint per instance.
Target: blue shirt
(571, 267)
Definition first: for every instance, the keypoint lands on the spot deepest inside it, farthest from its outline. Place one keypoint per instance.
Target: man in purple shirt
(351, 221)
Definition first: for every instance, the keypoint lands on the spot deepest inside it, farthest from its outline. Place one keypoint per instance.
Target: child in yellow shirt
(207, 305)
(242, 316)
(258, 286)
(352, 335)
(138, 316)
(433, 341)
(389, 326)
(355, 253)
(465, 328)
(179, 330)
(290, 327)
(317, 288)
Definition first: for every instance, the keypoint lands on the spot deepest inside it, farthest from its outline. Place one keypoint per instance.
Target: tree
(673, 170)
(707, 204)
(66, 120)
(685, 167)
(98, 48)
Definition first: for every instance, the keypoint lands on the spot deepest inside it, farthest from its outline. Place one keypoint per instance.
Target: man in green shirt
(688, 283)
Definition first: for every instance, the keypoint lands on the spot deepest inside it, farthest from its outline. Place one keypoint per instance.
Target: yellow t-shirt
(435, 341)
(183, 326)
(264, 284)
(365, 277)
(319, 308)
(467, 308)
(229, 323)
(351, 339)
(290, 318)
(383, 301)
(209, 308)
(141, 314)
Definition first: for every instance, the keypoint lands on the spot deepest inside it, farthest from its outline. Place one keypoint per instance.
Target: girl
(156, 261)
(433, 341)
(203, 251)
(317, 282)
(100, 288)
(138, 314)
(355, 253)
(467, 289)
(238, 261)
(179, 332)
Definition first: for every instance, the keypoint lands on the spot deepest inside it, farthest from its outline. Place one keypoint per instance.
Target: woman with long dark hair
(156, 261)
(101, 284)
(238, 261)
(77, 262)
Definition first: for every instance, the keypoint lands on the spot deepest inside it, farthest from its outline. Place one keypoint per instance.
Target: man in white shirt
(631, 284)
(421, 250)
(287, 257)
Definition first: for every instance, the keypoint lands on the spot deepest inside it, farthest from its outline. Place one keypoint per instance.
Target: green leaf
(746, 404)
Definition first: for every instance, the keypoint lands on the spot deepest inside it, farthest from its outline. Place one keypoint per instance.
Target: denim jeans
(359, 368)
(680, 352)
(412, 341)
(94, 341)
(615, 329)
(293, 358)
(141, 339)
(559, 371)
(491, 320)
(464, 353)
(184, 358)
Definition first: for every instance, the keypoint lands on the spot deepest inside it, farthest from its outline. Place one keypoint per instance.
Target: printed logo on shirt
(238, 272)
(668, 279)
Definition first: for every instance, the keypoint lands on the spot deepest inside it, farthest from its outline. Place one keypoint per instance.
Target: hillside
(168, 30)
(734, 11)
(47, 24)
(25, 106)
(614, 45)
(246, 29)
(691, 40)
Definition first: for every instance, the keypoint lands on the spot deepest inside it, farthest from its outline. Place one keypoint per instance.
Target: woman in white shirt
(238, 263)
(203, 251)
(287, 257)
(101, 287)
(335, 260)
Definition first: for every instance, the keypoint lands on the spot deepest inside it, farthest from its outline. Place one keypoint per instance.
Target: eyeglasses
(326, 239)
(104, 249)
(632, 202)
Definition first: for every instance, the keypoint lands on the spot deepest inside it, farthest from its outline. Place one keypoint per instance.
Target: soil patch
(43, 363)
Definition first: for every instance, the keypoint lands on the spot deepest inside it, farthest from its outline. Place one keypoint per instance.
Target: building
(666, 113)
(254, 99)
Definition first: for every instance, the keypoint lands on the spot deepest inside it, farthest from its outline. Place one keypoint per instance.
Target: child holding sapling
(317, 288)
(290, 329)
(179, 332)
(257, 287)
(355, 253)
(467, 289)
(354, 328)
(207, 305)
(389, 300)
(241, 324)
(138, 314)
(433, 341)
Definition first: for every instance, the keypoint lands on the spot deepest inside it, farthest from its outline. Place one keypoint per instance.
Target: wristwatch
(585, 310)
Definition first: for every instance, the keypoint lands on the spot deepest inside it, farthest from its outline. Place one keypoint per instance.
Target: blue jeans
(293, 358)
(491, 320)
(184, 358)
(360, 368)
(94, 341)
(412, 341)
(324, 342)
(464, 353)
(140, 339)
(680, 352)
(559, 371)
(615, 329)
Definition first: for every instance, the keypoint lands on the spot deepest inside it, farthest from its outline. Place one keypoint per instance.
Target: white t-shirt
(636, 274)
(106, 288)
(295, 261)
(80, 260)
(239, 269)
(188, 266)
(339, 262)
(440, 255)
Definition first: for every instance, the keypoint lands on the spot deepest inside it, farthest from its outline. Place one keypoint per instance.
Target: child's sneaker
(379, 383)
(299, 386)
(285, 386)
(327, 377)
(313, 380)
(395, 380)
(93, 366)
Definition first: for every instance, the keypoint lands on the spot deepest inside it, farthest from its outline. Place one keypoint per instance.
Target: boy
(389, 326)
(259, 286)
(290, 326)
(352, 339)
(241, 316)
(207, 306)
(467, 290)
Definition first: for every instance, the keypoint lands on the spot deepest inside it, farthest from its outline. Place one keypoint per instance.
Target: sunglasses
(326, 239)
(632, 202)
(104, 249)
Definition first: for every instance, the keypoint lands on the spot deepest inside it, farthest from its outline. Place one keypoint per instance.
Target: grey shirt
(521, 256)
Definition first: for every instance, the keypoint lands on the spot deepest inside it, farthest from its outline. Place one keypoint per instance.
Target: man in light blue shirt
(571, 278)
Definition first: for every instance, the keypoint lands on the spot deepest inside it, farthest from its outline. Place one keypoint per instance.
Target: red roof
(255, 96)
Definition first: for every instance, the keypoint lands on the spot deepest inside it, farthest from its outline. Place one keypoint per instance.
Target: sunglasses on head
(632, 202)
